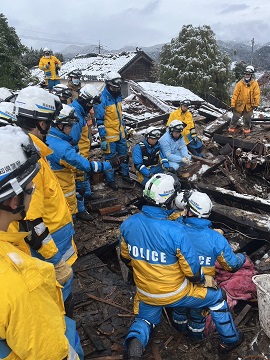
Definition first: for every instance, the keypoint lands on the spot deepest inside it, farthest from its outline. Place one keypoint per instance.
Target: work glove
(170, 170)
(186, 160)
(195, 139)
(210, 282)
(104, 145)
(63, 272)
(47, 66)
(220, 231)
(114, 161)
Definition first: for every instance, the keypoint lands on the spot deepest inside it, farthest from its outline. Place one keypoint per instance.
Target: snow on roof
(93, 66)
(169, 93)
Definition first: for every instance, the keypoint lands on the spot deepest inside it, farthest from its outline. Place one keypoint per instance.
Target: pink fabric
(238, 286)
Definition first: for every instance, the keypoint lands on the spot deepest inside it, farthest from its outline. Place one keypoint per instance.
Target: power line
(52, 40)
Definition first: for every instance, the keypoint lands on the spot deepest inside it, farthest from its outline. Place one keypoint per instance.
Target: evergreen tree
(13, 74)
(239, 70)
(194, 61)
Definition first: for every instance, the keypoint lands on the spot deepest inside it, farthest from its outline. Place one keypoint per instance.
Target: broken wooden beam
(245, 199)
(109, 209)
(93, 336)
(102, 202)
(256, 147)
(242, 314)
(111, 219)
(247, 220)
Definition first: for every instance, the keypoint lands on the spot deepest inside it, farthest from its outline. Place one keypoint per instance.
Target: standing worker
(50, 65)
(111, 127)
(245, 99)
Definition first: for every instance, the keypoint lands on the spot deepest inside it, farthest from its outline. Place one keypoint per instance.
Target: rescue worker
(152, 245)
(192, 141)
(174, 146)
(51, 66)
(65, 160)
(7, 114)
(211, 246)
(48, 217)
(74, 83)
(148, 157)
(6, 95)
(88, 95)
(32, 324)
(245, 99)
(111, 127)
(63, 92)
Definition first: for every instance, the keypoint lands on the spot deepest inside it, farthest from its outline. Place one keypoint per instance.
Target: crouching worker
(32, 324)
(174, 146)
(148, 157)
(65, 160)
(210, 246)
(151, 245)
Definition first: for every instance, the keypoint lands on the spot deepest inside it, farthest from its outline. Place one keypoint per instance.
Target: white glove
(186, 160)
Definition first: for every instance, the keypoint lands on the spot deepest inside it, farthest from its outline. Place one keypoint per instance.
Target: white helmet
(161, 189)
(114, 79)
(18, 161)
(249, 69)
(5, 94)
(62, 91)
(46, 50)
(36, 103)
(7, 114)
(67, 116)
(199, 204)
(90, 93)
(176, 125)
(152, 133)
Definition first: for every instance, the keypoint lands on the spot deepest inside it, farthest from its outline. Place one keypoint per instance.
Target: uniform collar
(41, 146)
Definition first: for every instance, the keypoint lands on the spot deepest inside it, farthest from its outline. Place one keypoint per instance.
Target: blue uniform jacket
(109, 117)
(64, 151)
(162, 257)
(211, 246)
(76, 131)
(138, 160)
(174, 150)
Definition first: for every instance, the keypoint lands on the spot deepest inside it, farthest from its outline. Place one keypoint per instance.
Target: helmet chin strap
(20, 209)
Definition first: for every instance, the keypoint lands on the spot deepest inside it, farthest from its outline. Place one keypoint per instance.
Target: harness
(149, 159)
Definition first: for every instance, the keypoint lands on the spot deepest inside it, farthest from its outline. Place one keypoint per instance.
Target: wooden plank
(103, 202)
(239, 143)
(224, 194)
(95, 339)
(111, 219)
(246, 219)
(109, 209)
(242, 314)
(217, 125)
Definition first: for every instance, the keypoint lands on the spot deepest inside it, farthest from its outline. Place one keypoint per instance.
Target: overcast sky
(117, 23)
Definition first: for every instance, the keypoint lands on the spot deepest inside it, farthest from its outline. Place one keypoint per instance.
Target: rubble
(235, 173)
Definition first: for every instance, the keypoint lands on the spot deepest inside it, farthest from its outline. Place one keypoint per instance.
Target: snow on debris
(169, 93)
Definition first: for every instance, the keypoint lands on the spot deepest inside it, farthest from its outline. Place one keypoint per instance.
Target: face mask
(47, 56)
(76, 81)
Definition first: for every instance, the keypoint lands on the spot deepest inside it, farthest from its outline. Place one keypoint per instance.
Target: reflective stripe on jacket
(49, 203)
(31, 307)
(109, 117)
(245, 96)
(186, 118)
(160, 254)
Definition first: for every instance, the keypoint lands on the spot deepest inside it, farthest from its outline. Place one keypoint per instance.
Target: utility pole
(100, 47)
(252, 48)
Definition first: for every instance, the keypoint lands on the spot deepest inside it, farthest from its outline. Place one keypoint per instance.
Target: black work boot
(225, 348)
(113, 185)
(85, 216)
(135, 349)
(127, 179)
